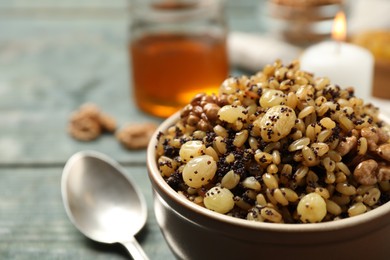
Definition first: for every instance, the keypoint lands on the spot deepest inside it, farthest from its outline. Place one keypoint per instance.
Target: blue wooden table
(55, 56)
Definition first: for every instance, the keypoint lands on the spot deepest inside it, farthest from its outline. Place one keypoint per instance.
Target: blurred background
(57, 55)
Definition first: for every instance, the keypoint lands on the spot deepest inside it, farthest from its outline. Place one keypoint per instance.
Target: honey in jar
(169, 69)
(178, 52)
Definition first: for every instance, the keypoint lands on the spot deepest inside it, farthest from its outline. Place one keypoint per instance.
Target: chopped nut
(211, 111)
(383, 173)
(202, 111)
(365, 172)
(136, 136)
(193, 120)
(88, 123)
(107, 123)
(203, 125)
(89, 110)
(370, 133)
(346, 146)
(84, 129)
(382, 135)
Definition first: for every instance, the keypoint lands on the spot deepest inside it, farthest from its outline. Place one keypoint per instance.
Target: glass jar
(177, 50)
(303, 22)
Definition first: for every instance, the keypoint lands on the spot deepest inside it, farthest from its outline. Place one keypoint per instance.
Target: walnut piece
(371, 134)
(383, 173)
(107, 123)
(202, 111)
(365, 173)
(88, 123)
(346, 146)
(136, 136)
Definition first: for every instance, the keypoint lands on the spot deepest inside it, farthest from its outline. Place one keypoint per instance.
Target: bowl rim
(161, 185)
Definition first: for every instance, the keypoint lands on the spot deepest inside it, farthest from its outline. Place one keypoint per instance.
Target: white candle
(344, 64)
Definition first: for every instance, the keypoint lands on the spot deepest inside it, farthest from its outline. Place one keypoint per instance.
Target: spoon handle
(135, 249)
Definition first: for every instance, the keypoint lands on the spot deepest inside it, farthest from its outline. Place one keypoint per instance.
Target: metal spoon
(102, 202)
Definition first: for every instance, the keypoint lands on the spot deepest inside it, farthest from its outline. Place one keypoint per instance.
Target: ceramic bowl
(194, 232)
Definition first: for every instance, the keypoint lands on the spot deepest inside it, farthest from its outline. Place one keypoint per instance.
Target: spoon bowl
(102, 202)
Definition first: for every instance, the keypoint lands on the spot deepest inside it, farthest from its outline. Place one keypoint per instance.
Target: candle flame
(339, 31)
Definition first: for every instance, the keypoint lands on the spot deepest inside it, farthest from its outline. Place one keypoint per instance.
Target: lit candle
(344, 64)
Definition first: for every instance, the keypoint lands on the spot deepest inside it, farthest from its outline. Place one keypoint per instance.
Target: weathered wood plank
(34, 225)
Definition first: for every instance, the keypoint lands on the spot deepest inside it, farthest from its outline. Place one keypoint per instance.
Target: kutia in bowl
(277, 164)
